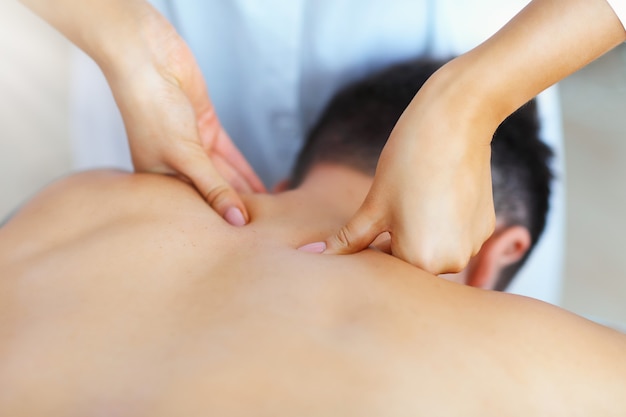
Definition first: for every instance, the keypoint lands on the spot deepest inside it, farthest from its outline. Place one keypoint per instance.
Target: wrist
(459, 95)
(125, 43)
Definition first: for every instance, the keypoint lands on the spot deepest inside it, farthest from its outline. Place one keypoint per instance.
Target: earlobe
(503, 248)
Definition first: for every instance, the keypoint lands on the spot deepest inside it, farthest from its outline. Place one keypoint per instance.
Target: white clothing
(272, 65)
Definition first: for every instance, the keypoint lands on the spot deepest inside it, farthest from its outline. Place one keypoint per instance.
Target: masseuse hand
(432, 190)
(171, 124)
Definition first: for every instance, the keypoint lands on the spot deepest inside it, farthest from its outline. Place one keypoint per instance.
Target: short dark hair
(355, 125)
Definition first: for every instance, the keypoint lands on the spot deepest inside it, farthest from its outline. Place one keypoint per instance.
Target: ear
(502, 249)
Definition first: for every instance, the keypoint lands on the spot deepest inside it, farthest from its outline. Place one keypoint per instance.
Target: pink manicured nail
(234, 216)
(317, 247)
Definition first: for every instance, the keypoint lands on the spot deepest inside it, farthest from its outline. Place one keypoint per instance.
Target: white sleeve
(619, 7)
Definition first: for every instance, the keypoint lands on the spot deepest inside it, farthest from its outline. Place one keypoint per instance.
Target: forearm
(546, 42)
(112, 32)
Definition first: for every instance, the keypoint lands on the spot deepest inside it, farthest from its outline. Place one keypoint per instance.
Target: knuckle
(457, 265)
(343, 238)
(216, 194)
(426, 265)
(450, 265)
(435, 267)
(463, 258)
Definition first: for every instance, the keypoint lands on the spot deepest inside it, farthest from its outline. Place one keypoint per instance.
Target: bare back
(126, 295)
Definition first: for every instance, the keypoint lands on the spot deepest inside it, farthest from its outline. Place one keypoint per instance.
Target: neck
(329, 196)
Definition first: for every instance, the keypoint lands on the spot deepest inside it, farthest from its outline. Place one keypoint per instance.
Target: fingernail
(234, 216)
(317, 247)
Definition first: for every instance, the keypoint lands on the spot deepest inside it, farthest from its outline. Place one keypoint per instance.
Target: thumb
(357, 234)
(217, 192)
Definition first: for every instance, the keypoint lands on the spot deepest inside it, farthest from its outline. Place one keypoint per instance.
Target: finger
(215, 138)
(229, 152)
(427, 254)
(357, 234)
(231, 175)
(217, 192)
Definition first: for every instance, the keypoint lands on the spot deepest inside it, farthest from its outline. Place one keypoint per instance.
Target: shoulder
(555, 347)
(81, 203)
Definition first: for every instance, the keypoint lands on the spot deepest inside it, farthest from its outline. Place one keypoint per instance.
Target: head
(354, 128)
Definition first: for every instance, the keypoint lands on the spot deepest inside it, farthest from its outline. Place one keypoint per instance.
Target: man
(356, 124)
(153, 305)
